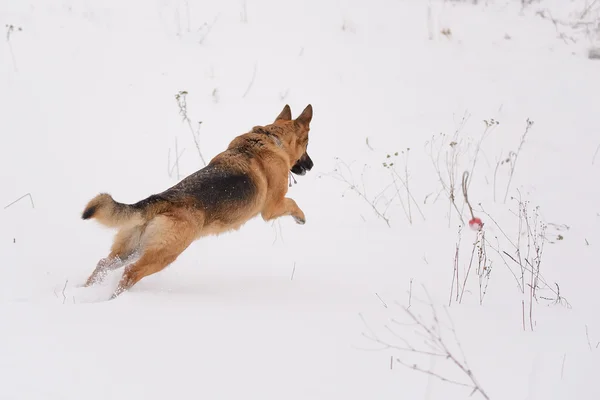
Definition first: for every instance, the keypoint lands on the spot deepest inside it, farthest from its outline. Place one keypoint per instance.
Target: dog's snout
(302, 165)
(309, 162)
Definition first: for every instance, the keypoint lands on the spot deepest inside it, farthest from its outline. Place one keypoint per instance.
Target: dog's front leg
(285, 206)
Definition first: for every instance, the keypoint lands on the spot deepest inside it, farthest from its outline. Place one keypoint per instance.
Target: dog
(249, 178)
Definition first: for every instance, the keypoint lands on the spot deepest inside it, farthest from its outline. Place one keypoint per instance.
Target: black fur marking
(89, 212)
(273, 131)
(215, 188)
(155, 198)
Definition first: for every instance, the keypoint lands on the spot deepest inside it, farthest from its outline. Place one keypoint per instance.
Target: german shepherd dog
(247, 179)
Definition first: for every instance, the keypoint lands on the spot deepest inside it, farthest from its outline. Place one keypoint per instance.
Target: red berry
(476, 224)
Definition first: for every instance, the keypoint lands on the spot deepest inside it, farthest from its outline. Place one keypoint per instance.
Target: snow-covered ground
(282, 311)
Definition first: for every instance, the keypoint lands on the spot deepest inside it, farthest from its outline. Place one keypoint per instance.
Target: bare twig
(176, 163)
(484, 267)
(404, 180)
(465, 186)
(182, 104)
(408, 195)
(489, 127)
(10, 29)
(451, 162)
(468, 271)
(587, 9)
(514, 157)
(338, 174)
(293, 271)
(380, 299)
(455, 271)
(410, 293)
(251, 82)
(63, 291)
(209, 28)
(20, 198)
(587, 335)
(436, 346)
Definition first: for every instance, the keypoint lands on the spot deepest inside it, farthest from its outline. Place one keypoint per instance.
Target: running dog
(249, 178)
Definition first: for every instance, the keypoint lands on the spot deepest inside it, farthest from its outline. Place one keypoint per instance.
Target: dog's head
(295, 138)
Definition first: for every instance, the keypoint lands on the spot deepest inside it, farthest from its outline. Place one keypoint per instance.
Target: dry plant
(403, 178)
(343, 173)
(595, 154)
(578, 23)
(455, 278)
(479, 260)
(478, 256)
(449, 154)
(523, 259)
(21, 198)
(175, 165)
(445, 152)
(522, 256)
(64, 296)
(182, 104)
(251, 82)
(511, 161)
(431, 343)
(589, 342)
(10, 30)
(490, 125)
(206, 29)
(187, 18)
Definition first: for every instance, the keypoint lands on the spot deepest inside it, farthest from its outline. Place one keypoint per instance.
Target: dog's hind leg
(122, 252)
(164, 239)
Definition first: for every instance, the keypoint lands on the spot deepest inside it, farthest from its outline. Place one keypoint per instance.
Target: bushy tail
(110, 213)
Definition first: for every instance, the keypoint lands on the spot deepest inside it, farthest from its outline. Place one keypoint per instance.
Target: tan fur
(110, 213)
(153, 232)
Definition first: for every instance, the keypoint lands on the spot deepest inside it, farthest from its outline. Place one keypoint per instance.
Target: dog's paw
(299, 220)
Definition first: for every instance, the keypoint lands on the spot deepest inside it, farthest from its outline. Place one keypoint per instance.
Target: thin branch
(587, 335)
(251, 82)
(20, 198)
(516, 155)
(293, 271)
(182, 104)
(63, 291)
(595, 154)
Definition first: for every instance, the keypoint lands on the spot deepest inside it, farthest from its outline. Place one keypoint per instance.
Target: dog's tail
(110, 213)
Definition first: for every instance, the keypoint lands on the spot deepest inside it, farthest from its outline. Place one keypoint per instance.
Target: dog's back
(219, 191)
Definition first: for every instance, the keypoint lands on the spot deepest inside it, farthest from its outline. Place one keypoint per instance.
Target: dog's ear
(285, 114)
(306, 116)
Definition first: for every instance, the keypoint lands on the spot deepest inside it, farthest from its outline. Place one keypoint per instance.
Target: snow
(280, 310)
